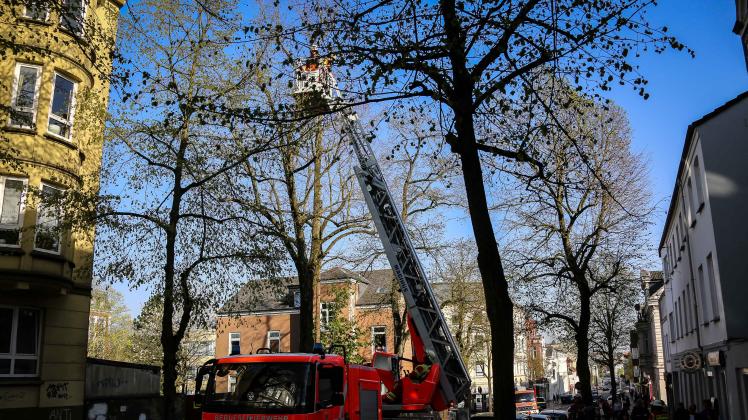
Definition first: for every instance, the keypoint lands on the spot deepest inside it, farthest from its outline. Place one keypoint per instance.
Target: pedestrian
(681, 413)
(605, 409)
(576, 409)
(692, 414)
(708, 413)
(640, 411)
(659, 411)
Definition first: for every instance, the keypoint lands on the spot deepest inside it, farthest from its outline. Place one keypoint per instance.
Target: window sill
(61, 140)
(715, 319)
(48, 255)
(31, 20)
(11, 381)
(11, 250)
(24, 130)
(80, 37)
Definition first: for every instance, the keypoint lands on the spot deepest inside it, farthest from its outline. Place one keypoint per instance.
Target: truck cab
(525, 402)
(288, 386)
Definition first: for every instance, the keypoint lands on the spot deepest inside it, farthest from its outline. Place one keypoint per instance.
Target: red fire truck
(322, 385)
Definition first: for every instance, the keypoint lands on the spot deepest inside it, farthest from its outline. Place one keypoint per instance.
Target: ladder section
(420, 300)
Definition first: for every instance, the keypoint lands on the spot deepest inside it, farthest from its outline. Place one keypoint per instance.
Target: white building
(704, 250)
(560, 370)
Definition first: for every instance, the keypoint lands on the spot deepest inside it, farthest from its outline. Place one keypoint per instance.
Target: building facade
(53, 92)
(560, 369)
(741, 25)
(268, 316)
(647, 347)
(702, 309)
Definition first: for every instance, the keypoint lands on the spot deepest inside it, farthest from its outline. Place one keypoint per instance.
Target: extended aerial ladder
(433, 342)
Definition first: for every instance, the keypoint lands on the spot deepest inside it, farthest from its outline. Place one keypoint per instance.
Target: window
(691, 200)
(678, 240)
(480, 369)
(11, 209)
(48, 221)
(704, 295)
(331, 382)
(698, 179)
(692, 322)
(379, 338)
(686, 214)
(62, 107)
(206, 348)
(672, 325)
(25, 96)
(19, 341)
(297, 299)
(274, 341)
(72, 15)
(712, 286)
(677, 319)
(687, 308)
(327, 313)
(234, 343)
(36, 10)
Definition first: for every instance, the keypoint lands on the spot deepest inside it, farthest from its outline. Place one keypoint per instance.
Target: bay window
(48, 221)
(61, 107)
(12, 193)
(25, 95)
(19, 341)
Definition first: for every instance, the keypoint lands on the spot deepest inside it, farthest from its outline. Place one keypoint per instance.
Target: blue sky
(682, 90)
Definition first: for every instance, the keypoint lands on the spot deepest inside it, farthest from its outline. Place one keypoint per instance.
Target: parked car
(556, 414)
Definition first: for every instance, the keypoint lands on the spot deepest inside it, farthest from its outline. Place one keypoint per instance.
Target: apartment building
(703, 251)
(53, 89)
(741, 25)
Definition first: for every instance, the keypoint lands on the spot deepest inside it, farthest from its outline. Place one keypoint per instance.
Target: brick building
(265, 314)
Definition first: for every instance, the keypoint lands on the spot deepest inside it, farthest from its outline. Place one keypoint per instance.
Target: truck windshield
(261, 388)
(524, 397)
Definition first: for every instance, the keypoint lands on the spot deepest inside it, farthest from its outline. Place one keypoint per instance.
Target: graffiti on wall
(60, 414)
(12, 395)
(58, 391)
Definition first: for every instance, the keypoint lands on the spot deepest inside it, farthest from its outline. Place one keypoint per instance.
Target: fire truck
(322, 384)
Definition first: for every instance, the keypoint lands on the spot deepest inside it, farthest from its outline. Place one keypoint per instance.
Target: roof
(272, 295)
(684, 155)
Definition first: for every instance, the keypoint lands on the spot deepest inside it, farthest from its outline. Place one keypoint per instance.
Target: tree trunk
(495, 288)
(306, 309)
(499, 308)
(583, 347)
(613, 384)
